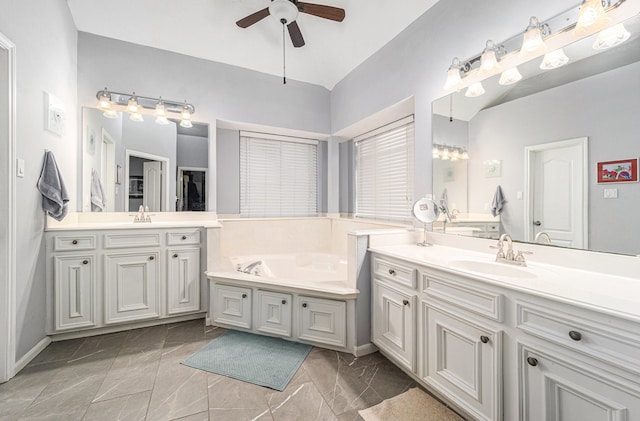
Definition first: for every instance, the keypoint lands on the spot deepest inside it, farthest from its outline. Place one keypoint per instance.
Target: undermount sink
(492, 268)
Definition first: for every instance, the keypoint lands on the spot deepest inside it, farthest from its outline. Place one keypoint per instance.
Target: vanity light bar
(514, 44)
(121, 100)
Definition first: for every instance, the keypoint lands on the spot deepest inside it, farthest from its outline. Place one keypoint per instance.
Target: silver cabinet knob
(537, 223)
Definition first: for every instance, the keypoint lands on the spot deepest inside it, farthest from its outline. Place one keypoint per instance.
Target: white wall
(603, 108)
(416, 61)
(45, 39)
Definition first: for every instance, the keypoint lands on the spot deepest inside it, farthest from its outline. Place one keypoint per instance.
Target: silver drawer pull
(484, 339)
(392, 272)
(532, 361)
(576, 336)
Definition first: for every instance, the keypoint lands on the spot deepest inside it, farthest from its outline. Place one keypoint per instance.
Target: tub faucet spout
(251, 266)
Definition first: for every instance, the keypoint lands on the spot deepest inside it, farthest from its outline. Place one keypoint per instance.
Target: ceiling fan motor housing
(283, 9)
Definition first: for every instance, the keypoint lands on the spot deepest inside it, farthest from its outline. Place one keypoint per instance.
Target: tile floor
(137, 375)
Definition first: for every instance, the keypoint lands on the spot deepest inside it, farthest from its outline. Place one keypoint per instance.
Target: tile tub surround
(137, 375)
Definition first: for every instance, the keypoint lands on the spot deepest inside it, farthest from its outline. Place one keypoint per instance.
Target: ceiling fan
(286, 11)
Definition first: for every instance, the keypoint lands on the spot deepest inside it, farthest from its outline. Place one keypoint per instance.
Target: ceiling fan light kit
(283, 9)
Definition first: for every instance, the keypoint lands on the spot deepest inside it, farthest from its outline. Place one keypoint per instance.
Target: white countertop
(136, 225)
(75, 221)
(615, 295)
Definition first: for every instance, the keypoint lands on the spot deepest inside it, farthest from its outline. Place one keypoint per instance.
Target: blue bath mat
(261, 360)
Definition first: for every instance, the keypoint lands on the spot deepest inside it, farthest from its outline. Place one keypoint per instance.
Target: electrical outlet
(610, 193)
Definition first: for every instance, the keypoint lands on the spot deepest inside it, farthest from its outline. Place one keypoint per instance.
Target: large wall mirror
(129, 164)
(546, 141)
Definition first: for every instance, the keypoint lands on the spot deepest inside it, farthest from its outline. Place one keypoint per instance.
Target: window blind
(278, 177)
(384, 172)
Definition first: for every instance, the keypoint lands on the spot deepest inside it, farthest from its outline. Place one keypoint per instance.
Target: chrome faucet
(454, 213)
(509, 257)
(251, 266)
(545, 237)
(141, 216)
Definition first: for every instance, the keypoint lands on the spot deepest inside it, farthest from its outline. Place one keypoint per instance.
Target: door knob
(537, 223)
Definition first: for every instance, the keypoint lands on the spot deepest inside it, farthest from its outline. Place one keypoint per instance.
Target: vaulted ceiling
(207, 29)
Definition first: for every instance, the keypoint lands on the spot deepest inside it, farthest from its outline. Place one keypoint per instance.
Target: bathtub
(322, 273)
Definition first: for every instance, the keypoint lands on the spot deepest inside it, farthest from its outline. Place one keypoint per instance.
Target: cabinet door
(556, 389)
(323, 321)
(274, 313)
(394, 323)
(183, 280)
(232, 306)
(74, 291)
(131, 286)
(463, 360)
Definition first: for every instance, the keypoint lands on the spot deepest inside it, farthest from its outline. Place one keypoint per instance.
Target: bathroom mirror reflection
(541, 140)
(142, 163)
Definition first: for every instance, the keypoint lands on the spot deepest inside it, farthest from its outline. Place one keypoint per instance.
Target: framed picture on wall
(619, 171)
(118, 174)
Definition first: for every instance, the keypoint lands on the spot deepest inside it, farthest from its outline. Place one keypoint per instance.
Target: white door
(152, 185)
(558, 195)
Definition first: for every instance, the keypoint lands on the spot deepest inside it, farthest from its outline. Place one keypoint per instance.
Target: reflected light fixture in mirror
(446, 153)
(474, 90)
(137, 106)
(611, 37)
(592, 18)
(554, 59)
(509, 77)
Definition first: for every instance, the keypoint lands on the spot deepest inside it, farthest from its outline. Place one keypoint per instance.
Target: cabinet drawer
(323, 321)
(130, 239)
(177, 238)
(460, 294)
(74, 242)
(604, 340)
(396, 272)
(493, 228)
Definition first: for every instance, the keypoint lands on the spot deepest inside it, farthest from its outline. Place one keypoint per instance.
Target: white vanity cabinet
(496, 352)
(274, 313)
(232, 306)
(103, 279)
(322, 321)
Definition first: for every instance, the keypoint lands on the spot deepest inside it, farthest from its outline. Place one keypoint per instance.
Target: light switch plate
(55, 115)
(610, 193)
(20, 167)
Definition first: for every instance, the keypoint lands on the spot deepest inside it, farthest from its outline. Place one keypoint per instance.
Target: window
(278, 176)
(384, 172)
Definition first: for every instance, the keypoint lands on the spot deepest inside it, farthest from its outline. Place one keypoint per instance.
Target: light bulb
(509, 77)
(136, 117)
(160, 109)
(104, 101)
(532, 43)
(132, 105)
(453, 76)
(186, 124)
(465, 155)
(611, 37)
(554, 59)
(488, 61)
(474, 90)
(592, 18)
(455, 154)
(186, 114)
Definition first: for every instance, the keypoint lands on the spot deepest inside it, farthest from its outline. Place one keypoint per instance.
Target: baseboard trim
(31, 354)
(366, 349)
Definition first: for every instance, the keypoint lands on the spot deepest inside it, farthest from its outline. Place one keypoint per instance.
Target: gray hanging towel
(498, 202)
(98, 198)
(54, 193)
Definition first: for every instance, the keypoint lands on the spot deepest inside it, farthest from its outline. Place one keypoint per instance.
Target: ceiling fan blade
(295, 34)
(253, 18)
(327, 12)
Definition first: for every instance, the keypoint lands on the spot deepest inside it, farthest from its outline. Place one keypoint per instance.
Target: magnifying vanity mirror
(161, 167)
(427, 212)
(545, 141)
